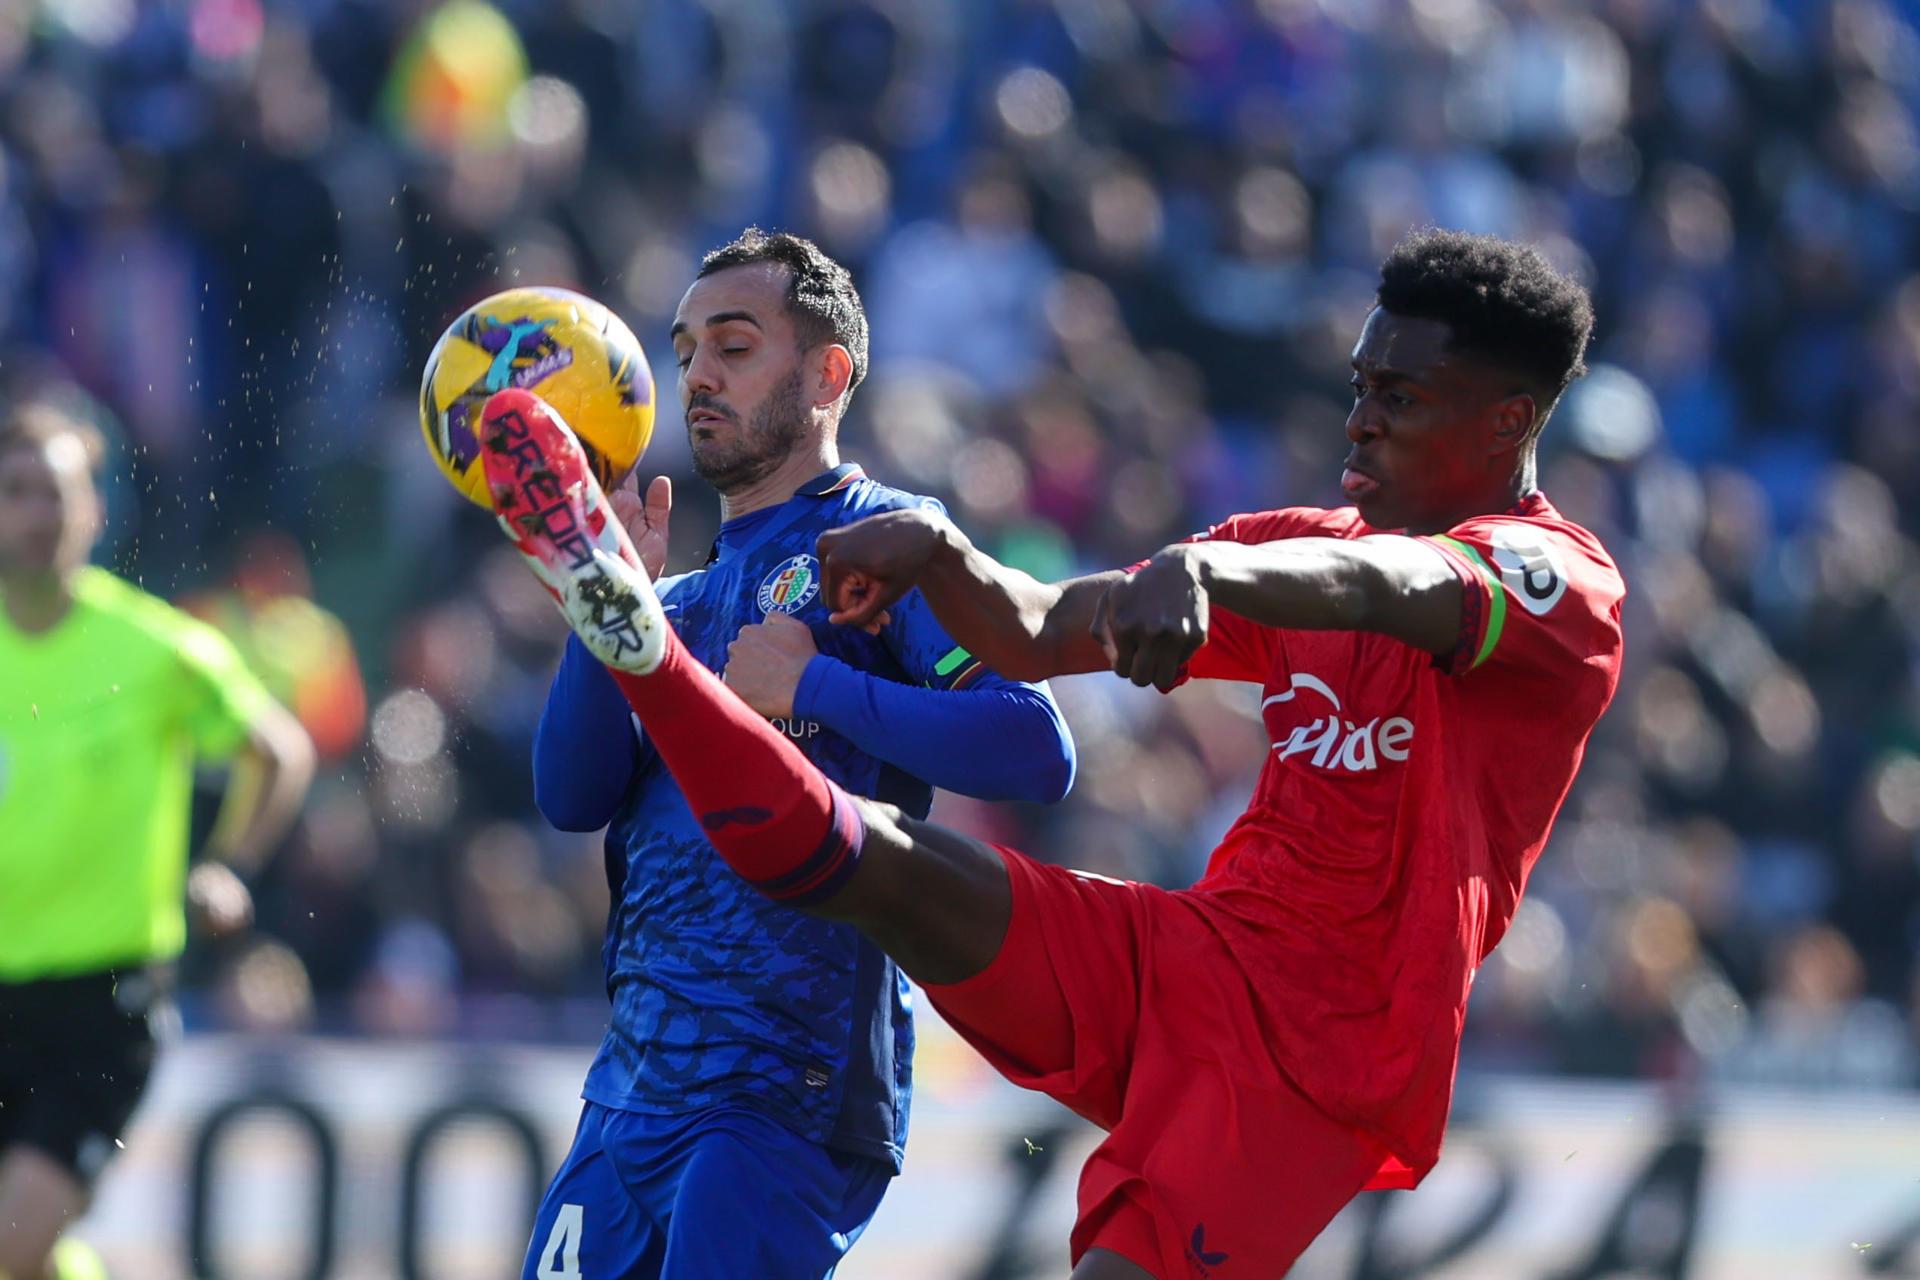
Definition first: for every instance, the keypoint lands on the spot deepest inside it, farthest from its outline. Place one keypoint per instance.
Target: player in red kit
(1284, 1034)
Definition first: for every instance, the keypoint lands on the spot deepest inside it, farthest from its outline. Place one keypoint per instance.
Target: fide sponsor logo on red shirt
(1331, 741)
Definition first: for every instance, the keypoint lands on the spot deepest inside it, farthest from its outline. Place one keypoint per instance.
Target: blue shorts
(715, 1195)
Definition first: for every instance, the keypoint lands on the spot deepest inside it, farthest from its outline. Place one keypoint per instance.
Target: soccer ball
(565, 348)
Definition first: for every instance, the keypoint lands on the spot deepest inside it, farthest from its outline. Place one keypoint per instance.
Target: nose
(701, 376)
(1363, 424)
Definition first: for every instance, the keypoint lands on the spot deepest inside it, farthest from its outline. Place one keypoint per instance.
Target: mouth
(1358, 485)
(703, 426)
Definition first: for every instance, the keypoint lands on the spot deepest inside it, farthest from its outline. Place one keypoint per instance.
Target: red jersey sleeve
(1541, 595)
(1237, 649)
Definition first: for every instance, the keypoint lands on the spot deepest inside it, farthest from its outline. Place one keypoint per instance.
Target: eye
(734, 351)
(1398, 401)
(1359, 387)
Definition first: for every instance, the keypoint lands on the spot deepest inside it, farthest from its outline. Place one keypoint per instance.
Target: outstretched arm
(1388, 584)
(1143, 625)
(1154, 620)
(1021, 627)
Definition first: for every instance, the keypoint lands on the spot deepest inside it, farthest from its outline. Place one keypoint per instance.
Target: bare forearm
(268, 783)
(247, 819)
(1020, 627)
(1392, 586)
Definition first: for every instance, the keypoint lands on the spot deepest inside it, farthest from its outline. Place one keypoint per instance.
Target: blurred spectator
(301, 652)
(967, 294)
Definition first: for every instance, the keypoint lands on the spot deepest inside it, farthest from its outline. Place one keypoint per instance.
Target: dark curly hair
(1500, 298)
(821, 299)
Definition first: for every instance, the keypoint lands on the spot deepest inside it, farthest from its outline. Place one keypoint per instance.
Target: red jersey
(1402, 806)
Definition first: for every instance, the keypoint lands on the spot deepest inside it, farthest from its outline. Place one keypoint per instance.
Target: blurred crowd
(1114, 254)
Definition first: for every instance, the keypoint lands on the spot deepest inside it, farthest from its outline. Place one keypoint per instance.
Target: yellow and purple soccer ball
(565, 348)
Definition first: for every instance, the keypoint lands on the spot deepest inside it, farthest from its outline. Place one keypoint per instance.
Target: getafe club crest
(790, 586)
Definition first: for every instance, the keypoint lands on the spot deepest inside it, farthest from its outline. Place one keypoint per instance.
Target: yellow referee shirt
(101, 721)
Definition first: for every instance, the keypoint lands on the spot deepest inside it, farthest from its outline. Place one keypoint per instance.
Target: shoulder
(108, 593)
(147, 617)
(866, 496)
(1540, 554)
(674, 582)
(113, 599)
(1286, 522)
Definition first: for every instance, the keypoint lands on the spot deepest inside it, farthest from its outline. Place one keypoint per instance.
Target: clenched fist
(1150, 622)
(867, 565)
(765, 662)
(218, 904)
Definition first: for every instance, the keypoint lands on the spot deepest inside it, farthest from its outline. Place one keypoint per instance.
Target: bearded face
(733, 454)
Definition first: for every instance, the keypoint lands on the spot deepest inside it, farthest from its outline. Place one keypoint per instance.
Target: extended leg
(936, 901)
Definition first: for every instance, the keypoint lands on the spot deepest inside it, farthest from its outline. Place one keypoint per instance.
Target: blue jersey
(721, 996)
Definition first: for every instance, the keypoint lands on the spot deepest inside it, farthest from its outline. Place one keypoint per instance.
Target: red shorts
(1119, 1000)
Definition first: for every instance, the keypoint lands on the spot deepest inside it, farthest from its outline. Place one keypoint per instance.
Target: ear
(1514, 420)
(834, 373)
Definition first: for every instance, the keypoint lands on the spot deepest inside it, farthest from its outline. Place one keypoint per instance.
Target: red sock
(775, 818)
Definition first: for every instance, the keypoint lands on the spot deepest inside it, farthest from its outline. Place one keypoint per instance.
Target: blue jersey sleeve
(586, 749)
(960, 727)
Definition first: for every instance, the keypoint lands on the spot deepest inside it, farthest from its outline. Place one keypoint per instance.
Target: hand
(867, 565)
(645, 519)
(765, 662)
(218, 905)
(1152, 621)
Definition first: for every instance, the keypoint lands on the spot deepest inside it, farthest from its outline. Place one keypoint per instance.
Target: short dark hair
(1503, 301)
(33, 423)
(820, 295)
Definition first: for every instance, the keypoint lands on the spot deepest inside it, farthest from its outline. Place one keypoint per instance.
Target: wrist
(1187, 558)
(815, 689)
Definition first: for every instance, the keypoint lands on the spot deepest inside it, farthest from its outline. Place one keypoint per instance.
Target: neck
(1524, 481)
(35, 601)
(1499, 497)
(774, 488)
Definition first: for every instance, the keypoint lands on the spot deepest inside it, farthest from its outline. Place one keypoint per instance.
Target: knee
(883, 828)
(884, 844)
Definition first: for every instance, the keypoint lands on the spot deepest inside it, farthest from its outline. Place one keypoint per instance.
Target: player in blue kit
(749, 1103)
